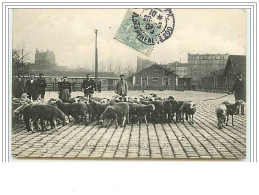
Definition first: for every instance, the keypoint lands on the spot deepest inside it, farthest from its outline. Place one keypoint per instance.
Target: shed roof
(164, 67)
(238, 63)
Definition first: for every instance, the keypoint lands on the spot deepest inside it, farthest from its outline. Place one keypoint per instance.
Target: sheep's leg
(218, 123)
(77, 118)
(35, 120)
(177, 117)
(41, 125)
(127, 118)
(224, 120)
(53, 124)
(116, 123)
(138, 120)
(145, 118)
(227, 120)
(170, 117)
(232, 120)
(27, 124)
(182, 117)
(124, 118)
(85, 117)
(192, 119)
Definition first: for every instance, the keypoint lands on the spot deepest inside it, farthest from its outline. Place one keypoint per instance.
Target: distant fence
(77, 87)
(110, 85)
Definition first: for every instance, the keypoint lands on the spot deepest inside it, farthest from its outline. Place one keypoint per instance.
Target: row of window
(208, 57)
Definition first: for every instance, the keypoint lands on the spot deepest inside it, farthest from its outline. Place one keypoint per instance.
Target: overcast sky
(70, 34)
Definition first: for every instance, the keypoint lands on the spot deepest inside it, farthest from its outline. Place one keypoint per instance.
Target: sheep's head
(171, 97)
(191, 105)
(239, 102)
(152, 107)
(66, 120)
(104, 101)
(24, 96)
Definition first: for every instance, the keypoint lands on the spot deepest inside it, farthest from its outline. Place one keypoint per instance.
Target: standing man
(41, 85)
(65, 90)
(88, 86)
(122, 87)
(239, 89)
(31, 87)
(18, 87)
(99, 86)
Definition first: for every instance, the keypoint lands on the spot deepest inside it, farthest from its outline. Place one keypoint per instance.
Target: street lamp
(96, 60)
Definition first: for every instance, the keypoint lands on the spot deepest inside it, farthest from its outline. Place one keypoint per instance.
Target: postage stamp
(141, 29)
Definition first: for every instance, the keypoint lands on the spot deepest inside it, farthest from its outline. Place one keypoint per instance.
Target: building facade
(202, 64)
(44, 60)
(154, 77)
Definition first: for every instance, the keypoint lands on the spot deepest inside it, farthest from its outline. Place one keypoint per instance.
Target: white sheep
(221, 112)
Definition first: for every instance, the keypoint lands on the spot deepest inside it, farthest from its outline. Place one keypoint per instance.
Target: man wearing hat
(88, 86)
(41, 85)
(31, 87)
(65, 90)
(18, 87)
(239, 89)
(122, 87)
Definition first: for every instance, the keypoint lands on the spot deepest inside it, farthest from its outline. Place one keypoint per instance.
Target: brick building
(154, 77)
(44, 60)
(202, 64)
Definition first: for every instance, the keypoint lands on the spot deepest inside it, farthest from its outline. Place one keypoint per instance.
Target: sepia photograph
(146, 83)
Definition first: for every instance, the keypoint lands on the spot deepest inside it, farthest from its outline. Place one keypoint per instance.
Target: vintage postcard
(147, 83)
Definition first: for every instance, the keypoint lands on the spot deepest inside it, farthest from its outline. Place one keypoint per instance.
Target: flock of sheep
(121, 111)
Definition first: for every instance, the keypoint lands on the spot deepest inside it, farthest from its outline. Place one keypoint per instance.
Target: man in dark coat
(18, 87)
(41, 85)
(122, 87)
(65, 90)
(99, 86)
(88, 87)
(239, 89)
(31, 87)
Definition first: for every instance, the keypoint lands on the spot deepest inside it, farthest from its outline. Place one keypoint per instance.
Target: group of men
(34, 88)
(89, 86)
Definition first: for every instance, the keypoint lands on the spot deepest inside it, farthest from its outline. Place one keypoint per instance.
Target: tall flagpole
(96, 59)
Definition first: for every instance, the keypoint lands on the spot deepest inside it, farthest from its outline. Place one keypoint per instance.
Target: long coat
(18, 88)
(65, 90)
(122, 88)
(31, 87)
(41, 85)
(88, 86)
(239, 88)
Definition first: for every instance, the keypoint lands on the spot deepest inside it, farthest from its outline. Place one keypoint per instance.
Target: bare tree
(129, 68)
(20, 58)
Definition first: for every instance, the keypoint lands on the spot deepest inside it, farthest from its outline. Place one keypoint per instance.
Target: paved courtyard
(201, 140)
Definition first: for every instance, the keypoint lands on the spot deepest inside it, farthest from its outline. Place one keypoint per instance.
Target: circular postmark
(153, 26)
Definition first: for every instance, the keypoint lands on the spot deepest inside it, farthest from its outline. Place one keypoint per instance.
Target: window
(155, 78)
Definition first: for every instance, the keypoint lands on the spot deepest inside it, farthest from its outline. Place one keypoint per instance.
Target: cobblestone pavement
(201, 140)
